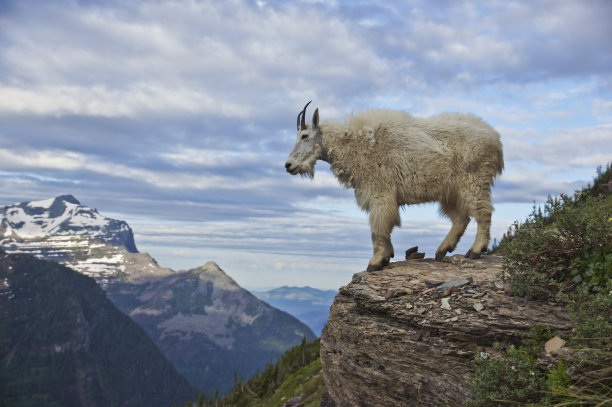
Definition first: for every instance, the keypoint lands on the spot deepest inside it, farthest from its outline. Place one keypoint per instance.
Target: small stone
(458, 311)
(478, 306)
(408, 306)
(554, 345)
(389, 295)
(412, 250)
(415, 337)
(433, 283)
(454, 319)
(414, 256)
(444, 304)
(456, 283)
(499, 285)
(470, 291)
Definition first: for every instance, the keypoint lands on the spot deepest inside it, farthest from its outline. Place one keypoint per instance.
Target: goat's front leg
(383, 217)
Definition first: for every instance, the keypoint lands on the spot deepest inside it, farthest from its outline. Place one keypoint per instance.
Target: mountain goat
(391, 159)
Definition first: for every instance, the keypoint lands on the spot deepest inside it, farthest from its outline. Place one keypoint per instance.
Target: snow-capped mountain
(63, 216)
(63, 230)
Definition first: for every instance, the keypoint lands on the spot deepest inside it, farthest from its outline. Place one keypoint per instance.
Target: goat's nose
(287, 166)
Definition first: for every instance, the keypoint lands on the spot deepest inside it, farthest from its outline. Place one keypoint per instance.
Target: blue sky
(177, 116)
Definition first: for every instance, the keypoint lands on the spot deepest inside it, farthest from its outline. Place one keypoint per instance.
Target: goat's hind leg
(460, 221)
(482, 212)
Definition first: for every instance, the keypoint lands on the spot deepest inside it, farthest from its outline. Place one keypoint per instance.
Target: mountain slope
(307, 304)
(209, 326)
(63, 343)
(295, 378)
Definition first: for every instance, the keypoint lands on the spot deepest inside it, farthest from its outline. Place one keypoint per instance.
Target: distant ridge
(309, 305)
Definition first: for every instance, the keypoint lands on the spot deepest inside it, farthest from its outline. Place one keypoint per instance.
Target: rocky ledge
(407, 335)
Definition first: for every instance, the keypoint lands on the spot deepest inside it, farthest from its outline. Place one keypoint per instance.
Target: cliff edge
(398, 337)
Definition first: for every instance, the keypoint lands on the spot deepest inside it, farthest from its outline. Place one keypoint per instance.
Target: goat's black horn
(298, 120)
(303, 123)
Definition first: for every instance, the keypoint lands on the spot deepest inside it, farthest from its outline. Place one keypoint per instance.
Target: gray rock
(455, 283)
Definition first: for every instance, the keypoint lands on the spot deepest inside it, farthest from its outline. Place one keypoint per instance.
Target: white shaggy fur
(392, 159)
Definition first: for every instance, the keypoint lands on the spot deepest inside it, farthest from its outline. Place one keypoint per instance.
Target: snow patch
(46, 204)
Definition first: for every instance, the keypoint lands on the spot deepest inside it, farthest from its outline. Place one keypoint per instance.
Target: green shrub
(593, 316)
(593, 270)
(558, 382)
(513, 379)
(553, 253)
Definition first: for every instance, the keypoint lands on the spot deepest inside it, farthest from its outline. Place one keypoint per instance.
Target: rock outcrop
(396, 337)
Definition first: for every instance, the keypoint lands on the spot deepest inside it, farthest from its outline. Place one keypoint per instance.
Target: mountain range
(208, 326)
(309, 305)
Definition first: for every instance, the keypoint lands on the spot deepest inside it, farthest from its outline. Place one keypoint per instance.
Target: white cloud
(582, 147)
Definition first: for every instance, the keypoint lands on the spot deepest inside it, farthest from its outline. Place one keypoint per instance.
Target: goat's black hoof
(472, 255)
(371, 268)
(440, 256)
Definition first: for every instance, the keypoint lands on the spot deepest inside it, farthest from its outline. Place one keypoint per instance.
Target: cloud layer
(178, 116)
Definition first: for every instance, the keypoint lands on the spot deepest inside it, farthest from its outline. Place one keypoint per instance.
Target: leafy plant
(593, 316)
(558, 381)
(594, 269)
(553, 253)
(513, 378)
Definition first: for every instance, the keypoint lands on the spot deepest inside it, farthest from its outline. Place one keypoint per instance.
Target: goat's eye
(304, 136)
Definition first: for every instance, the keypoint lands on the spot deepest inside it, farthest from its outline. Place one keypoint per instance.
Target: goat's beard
(307, 170)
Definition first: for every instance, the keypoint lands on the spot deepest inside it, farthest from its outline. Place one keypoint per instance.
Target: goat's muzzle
(289, 169)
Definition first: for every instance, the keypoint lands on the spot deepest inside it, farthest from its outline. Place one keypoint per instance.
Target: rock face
(397, 337)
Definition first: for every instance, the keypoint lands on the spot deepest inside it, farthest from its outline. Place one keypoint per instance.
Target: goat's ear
(315, 119)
